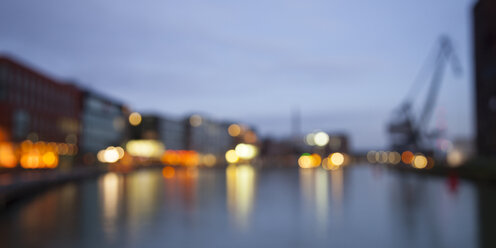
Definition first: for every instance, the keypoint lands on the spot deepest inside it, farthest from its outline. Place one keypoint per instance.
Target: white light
(246, 151)
(321, 139)
(111, 155)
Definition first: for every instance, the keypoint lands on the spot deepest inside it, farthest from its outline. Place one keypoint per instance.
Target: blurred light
(134, 119)
(454, 158)
(101, 156)
(321, 139)
(120, 150)
(195, 120)
(309, 139)
(394, 157)
(234, 130)
(250, 137)
(307, 160)
(168, 172)
(111, 155)
(209, 160)
(337, 158)
(7, 156)
(407, 157)
(232, 157)
(145, 148)
(50, 159)
(371, 157)
(419, 161)
(246, 151)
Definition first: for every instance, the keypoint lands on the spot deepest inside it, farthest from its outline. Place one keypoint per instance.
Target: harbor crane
(408, 131)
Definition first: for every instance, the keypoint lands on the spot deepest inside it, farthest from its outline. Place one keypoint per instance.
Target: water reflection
(245, 207)
(315, 188)
(110, 190)
(240, 185)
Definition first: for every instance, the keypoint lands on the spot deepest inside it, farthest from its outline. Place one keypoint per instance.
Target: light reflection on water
(243, 206)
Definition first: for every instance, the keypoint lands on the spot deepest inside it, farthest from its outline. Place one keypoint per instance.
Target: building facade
(103, 123)
(35, 106)
(485, 76)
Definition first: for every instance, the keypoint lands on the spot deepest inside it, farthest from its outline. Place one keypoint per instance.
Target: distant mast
(295, 123)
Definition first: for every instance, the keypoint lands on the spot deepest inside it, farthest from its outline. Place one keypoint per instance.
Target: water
(360, 206)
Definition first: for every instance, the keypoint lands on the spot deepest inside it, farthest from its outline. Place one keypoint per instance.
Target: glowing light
(407, 157)
(455, 158)
(250, 137)
(50, 159)
(394, 157)
(309, 139)
(232, 157)
(121, 152)
(209, 160)
(337, 158)
(371, 157)
(168, 172)
(234, 130)
(7, 155)
(195, 120)
(419, 161)
(145, 148)
(246, 151)
(309, 160)
(321, 139)
(135, 118)
(111, 155)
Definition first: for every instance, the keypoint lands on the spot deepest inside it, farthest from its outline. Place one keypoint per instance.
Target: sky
(344, 64)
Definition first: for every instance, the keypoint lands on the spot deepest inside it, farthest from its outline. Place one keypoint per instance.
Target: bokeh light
(135, 118)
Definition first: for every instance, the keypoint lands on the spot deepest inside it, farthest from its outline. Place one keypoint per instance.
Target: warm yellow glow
(145, 148)
(240, 185)
(419, 161)
(120, 150)
(209, 160)
(168, 172)
(309, 160)
(195, 120)
(232, 157)
(394, 157)
(337, 158)
(135, 118)
(371, 157)
(234, 130)
(455, 158)
(246, 151)
(111, 155)
(321, 139)
(50, 159)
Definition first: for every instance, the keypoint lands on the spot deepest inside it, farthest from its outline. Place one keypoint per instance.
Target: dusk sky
(344, 64)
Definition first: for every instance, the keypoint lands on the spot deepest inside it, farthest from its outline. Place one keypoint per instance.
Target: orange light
(7, 155)
(234, 130)
(407, 157)
(168, 172)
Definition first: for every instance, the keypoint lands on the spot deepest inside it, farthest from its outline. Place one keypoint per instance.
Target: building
(208, 136)
(103, 123)
(485, 76)
(35, 106)
(171, 132)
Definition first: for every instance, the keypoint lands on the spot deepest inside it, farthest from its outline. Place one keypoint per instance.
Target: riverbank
(16, 185)
(479, 170)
